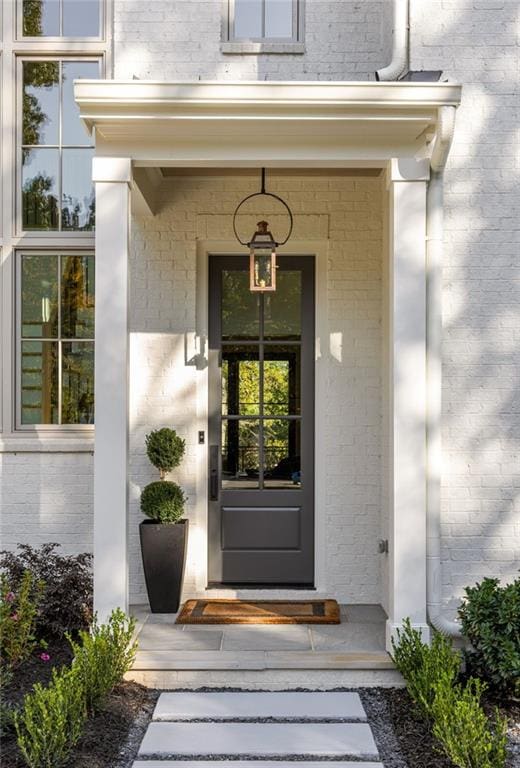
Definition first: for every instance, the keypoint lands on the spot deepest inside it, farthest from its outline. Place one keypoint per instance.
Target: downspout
(400, 41)
(434, 246)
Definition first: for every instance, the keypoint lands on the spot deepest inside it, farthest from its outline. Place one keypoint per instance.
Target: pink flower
(10, 597)
(14, 617)
(45, 657)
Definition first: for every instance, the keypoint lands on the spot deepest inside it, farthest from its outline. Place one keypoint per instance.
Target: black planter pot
(163, 547)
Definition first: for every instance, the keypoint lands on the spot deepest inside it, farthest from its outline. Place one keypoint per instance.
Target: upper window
(265, 21)
(57, 191)
(61, 18)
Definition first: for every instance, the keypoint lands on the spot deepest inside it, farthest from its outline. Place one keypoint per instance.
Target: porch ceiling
(253, 123)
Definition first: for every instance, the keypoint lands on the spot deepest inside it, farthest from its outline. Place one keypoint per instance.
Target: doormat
(259, 612)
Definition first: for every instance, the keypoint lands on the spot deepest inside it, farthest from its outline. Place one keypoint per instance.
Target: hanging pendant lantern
(262, 246)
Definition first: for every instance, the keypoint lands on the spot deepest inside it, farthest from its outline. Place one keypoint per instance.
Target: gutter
(434, 247)
(400, 43)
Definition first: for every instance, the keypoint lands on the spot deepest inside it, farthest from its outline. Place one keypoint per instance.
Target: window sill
(256, 48)
(39, 443)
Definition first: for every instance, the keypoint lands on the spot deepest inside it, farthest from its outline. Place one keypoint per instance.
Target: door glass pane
(77, 297)
(278, 18)
(78, 201)
(77, 390)
(39, 299)
(282, 453)
(74, 132)
(41, 18)
(240, 454)
(81, 18)
(39, 382)
(40, 189)
(240, 380)
(240, 307)
(248, 18)
(282, 309)
(281, 380)
(40, 102)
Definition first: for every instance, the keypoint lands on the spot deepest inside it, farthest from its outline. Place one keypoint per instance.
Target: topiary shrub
(163, 501)
(165, 449)
(490, 618)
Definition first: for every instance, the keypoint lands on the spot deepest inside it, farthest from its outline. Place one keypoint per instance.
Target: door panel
(261, 425)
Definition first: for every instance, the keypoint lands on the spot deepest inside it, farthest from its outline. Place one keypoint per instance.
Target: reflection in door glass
(240, 380)
(282, 311)
(240, 307)
(240, 453)
(282, 449)
(281, 380)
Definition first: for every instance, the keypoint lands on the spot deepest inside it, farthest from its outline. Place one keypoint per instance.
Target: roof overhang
(254, 123)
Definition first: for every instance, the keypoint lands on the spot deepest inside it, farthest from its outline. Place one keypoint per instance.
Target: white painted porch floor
(201, 728)
(357, 643)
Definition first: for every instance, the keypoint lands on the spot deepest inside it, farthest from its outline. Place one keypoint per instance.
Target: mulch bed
(110, 739)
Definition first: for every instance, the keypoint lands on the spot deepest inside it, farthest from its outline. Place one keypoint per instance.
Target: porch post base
(391, 632)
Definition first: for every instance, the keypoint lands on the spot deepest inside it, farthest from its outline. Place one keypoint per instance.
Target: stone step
(334, 740)
(259, 705)
(257, 764)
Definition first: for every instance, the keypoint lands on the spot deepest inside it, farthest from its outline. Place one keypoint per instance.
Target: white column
(112, 177)
(406, 181)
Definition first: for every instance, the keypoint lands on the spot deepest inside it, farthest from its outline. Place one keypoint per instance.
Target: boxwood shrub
(163, 501)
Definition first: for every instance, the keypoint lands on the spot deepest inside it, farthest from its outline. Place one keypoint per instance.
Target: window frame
(43, 233)
(62, 38)
(233, 44)
(18, 339)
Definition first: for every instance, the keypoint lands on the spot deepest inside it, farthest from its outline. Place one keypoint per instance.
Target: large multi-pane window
(56, 188)
(265, 20)
(56, 338)
(61, 18)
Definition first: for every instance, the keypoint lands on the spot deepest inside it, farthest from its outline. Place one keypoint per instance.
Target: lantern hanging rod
(265, 194)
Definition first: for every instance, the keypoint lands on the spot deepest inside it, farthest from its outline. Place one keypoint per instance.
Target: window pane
(77, 383)
(240, 380)
(240, 307)
(282, 314)
(78, 201)
(281, 380)
(77, 297)
(73, 131)
(41, 18)
(39, 299)
(40, 102)
(81, 18)
(248, 18)
(40, 189)
(39, 379)
(240, 456)
(281, 453)
(278, 18)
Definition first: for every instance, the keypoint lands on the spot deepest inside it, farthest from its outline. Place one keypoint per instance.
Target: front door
(261, 425)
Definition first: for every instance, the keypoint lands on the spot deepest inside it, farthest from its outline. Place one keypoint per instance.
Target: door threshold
(239, 585)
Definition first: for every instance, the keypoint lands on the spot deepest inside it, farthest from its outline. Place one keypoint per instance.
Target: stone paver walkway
(244, 726)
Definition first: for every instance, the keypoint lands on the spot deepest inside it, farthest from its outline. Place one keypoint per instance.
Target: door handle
(213, 473)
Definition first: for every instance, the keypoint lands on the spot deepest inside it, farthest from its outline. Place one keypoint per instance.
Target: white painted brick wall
(348, 211)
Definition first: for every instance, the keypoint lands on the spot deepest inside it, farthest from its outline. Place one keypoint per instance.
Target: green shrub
(490, 617)
(103, 655)
(163, 501)
(421, 665)
(51, 720)
(66, 602)
(462, 728)
(18, 614)
(165, 449)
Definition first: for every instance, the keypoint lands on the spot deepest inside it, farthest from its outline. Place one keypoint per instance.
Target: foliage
(19, 608)
(32, 18)
(490, 617)
(6, 711)
(165, 449)
(103, 655)
(163, 501)
(66, 602)
(422, 665)
(462, 728)
(51, 720)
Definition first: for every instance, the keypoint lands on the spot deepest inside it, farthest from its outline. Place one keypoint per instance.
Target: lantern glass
(262, 269)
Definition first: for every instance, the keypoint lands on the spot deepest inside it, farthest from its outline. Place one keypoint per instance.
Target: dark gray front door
(261, 425)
